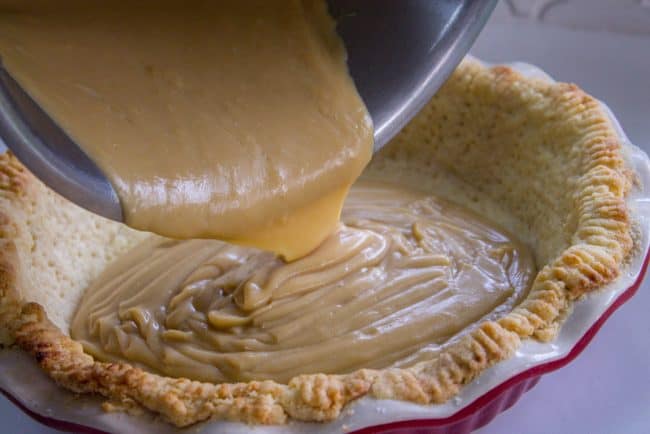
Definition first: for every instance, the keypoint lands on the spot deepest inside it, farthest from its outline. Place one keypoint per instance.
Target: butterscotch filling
(226, 119)
(403, 276)
(237, 120)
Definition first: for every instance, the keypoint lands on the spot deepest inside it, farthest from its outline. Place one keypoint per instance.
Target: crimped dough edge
(481, 126)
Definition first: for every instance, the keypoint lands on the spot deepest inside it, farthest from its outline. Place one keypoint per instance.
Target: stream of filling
(229, 119)
(404, 274)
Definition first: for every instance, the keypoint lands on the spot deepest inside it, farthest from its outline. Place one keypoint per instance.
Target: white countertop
(607, 388)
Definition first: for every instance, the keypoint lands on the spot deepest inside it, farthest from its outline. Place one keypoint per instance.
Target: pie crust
(546, 153)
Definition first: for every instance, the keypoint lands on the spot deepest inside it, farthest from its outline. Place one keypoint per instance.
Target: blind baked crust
(545, 152)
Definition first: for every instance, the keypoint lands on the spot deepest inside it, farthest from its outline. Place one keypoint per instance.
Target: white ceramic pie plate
(495, 390)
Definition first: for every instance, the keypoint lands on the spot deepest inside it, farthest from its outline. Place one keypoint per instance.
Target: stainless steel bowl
(399, 54)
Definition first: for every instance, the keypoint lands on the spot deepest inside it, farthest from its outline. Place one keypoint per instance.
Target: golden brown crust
(586, 254)
(13, 179)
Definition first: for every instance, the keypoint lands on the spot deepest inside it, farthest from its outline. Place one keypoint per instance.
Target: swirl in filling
(403, 275)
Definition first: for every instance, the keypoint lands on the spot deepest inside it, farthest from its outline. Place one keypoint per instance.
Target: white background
(604, 46)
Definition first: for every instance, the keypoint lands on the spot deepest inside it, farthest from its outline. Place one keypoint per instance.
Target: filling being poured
(229, 119)
(404, 274)
(238, 120)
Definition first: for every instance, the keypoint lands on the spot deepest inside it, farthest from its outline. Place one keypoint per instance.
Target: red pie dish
(504, 115)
